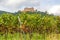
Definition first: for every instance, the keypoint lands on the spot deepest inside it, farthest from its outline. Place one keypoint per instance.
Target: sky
(52, 6)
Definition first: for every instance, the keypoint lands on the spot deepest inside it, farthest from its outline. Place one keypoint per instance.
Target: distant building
(29, 9)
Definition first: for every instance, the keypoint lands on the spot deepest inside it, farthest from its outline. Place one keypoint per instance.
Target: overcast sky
(52, 6)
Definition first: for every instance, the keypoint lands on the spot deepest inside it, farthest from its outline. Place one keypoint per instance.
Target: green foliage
(35, 21)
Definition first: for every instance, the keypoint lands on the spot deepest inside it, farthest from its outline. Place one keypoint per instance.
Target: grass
(35, 36)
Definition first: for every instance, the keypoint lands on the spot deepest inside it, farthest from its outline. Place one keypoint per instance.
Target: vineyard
(34, 26)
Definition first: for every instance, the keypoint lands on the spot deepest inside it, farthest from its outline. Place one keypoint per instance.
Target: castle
(29, 9)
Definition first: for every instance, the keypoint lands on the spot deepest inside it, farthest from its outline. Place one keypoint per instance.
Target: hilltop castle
(29, 9)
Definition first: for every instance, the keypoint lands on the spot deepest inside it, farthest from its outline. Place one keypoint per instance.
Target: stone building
(29, 9)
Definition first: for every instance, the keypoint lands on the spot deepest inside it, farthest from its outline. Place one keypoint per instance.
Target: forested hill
(1, 12)
(19, 12)
(36, 12)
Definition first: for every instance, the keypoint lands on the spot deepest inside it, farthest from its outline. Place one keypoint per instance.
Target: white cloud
(14, 5)
(10, 5)
(54, 10)
(14, 2)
